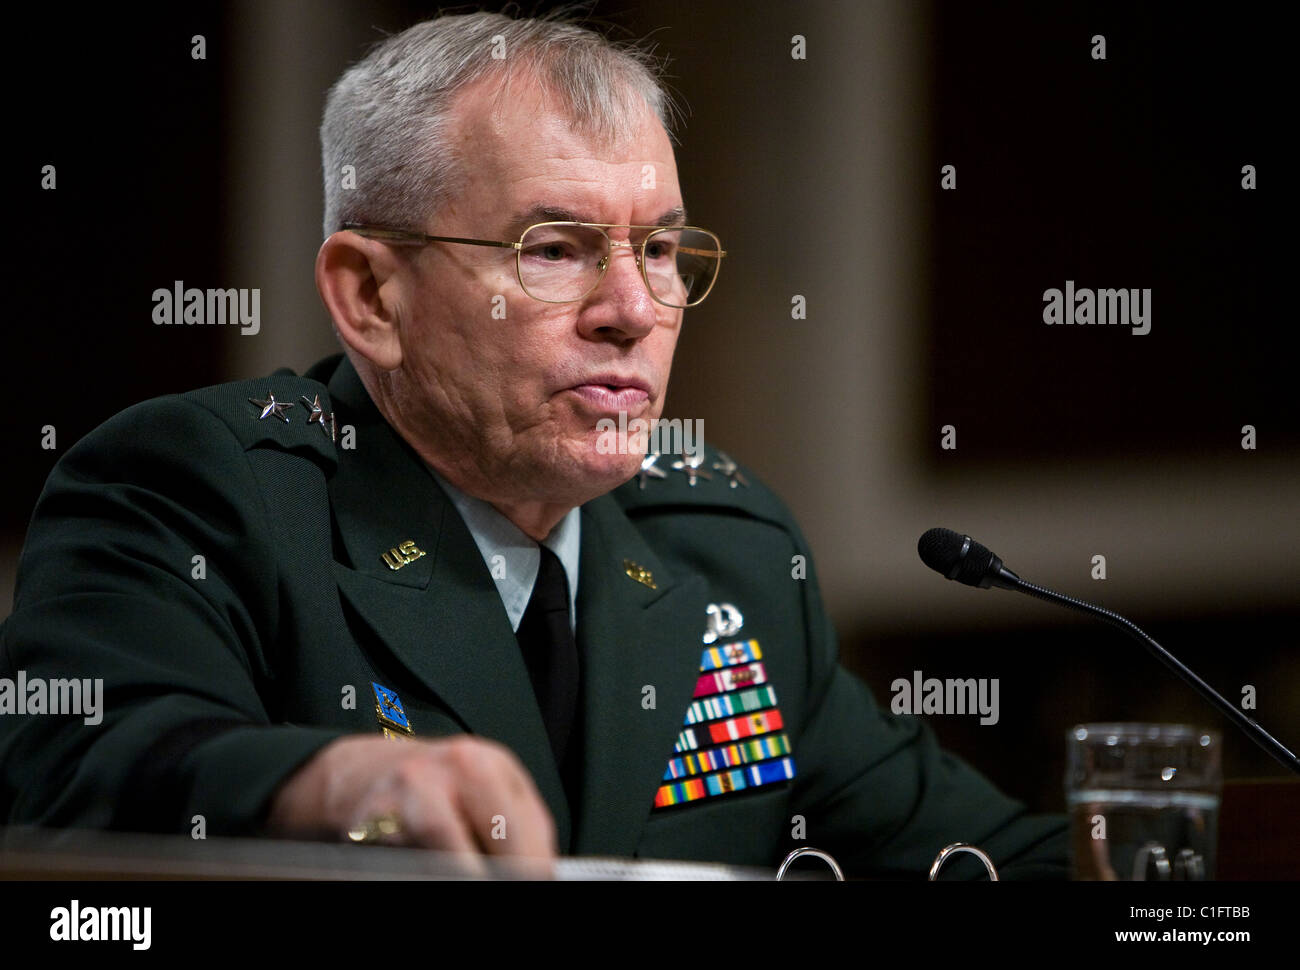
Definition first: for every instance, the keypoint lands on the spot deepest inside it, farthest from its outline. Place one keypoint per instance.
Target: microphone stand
(1256, 733)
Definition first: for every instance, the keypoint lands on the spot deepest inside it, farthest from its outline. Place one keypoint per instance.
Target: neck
(536, 518)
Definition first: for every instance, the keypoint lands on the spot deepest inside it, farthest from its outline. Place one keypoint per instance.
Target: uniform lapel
(439, 614)
(630, 637)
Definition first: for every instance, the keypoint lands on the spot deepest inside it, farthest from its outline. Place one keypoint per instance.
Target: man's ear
(351, 273)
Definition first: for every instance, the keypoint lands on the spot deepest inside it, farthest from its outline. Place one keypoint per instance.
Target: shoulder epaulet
(281, 411)
(706, 479)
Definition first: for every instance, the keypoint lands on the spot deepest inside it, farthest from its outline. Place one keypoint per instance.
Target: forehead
(518, 148)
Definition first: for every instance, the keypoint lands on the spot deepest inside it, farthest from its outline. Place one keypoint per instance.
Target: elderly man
(409, 597)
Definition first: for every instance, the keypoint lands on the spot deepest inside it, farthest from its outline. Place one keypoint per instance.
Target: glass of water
(1143, 801)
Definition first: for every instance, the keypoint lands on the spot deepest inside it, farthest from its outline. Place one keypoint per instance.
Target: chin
(608, 472)
(593, 472)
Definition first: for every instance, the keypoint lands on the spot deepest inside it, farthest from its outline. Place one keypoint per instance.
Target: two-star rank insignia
(691, 467)
(391, 715)
(271, 408)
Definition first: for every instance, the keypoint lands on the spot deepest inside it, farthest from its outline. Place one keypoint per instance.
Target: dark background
(822, 178)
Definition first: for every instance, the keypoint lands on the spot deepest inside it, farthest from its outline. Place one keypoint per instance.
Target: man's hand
(450, 794)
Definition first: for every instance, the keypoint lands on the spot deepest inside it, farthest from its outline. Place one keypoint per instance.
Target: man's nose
(622, 302)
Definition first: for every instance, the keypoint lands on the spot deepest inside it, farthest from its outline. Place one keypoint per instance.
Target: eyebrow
(541, 212)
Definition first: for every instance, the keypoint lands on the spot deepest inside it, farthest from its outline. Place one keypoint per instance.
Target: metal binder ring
(1141, 861)
(956, 847)
(1189, 866)
(817, 853)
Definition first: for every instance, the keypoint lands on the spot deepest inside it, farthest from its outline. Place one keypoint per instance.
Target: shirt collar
(512, 557)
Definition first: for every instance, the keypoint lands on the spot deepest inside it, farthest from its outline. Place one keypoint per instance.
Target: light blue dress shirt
(515, 571)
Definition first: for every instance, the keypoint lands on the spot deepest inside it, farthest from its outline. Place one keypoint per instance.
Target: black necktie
(551, 656)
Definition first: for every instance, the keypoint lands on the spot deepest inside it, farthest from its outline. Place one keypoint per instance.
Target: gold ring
(371, 830)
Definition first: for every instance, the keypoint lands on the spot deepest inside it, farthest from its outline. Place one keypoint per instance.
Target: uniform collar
(515, 571)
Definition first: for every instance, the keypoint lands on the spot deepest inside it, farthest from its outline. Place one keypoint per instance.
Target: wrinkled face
(504, 392)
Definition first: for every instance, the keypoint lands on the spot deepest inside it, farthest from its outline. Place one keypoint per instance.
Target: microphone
(959, 557)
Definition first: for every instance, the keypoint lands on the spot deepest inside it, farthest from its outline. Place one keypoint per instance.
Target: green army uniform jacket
(223, 675)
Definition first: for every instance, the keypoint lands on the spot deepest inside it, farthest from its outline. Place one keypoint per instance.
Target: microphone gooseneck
(961, 558)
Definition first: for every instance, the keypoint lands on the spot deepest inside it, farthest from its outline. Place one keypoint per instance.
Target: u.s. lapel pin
(391, 714)
(639, 573)
(401, 555)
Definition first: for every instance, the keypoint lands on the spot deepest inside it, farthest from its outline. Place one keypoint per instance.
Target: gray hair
(387, 114)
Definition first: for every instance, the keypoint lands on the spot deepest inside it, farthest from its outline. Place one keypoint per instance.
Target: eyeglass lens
(562, 262)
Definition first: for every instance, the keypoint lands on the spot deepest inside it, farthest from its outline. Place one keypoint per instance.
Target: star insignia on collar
(690, 467)
(271, 408)
(320, 416)
(650, 470)
(729, 470)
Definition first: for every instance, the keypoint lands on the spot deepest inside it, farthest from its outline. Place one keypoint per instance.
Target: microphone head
(958, 557)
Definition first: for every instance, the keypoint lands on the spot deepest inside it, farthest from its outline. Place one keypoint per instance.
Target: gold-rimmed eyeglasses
(561, 262)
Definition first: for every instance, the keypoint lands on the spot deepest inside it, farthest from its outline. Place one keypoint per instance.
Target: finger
(419, 792)
(437, 823)
(502, 805)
